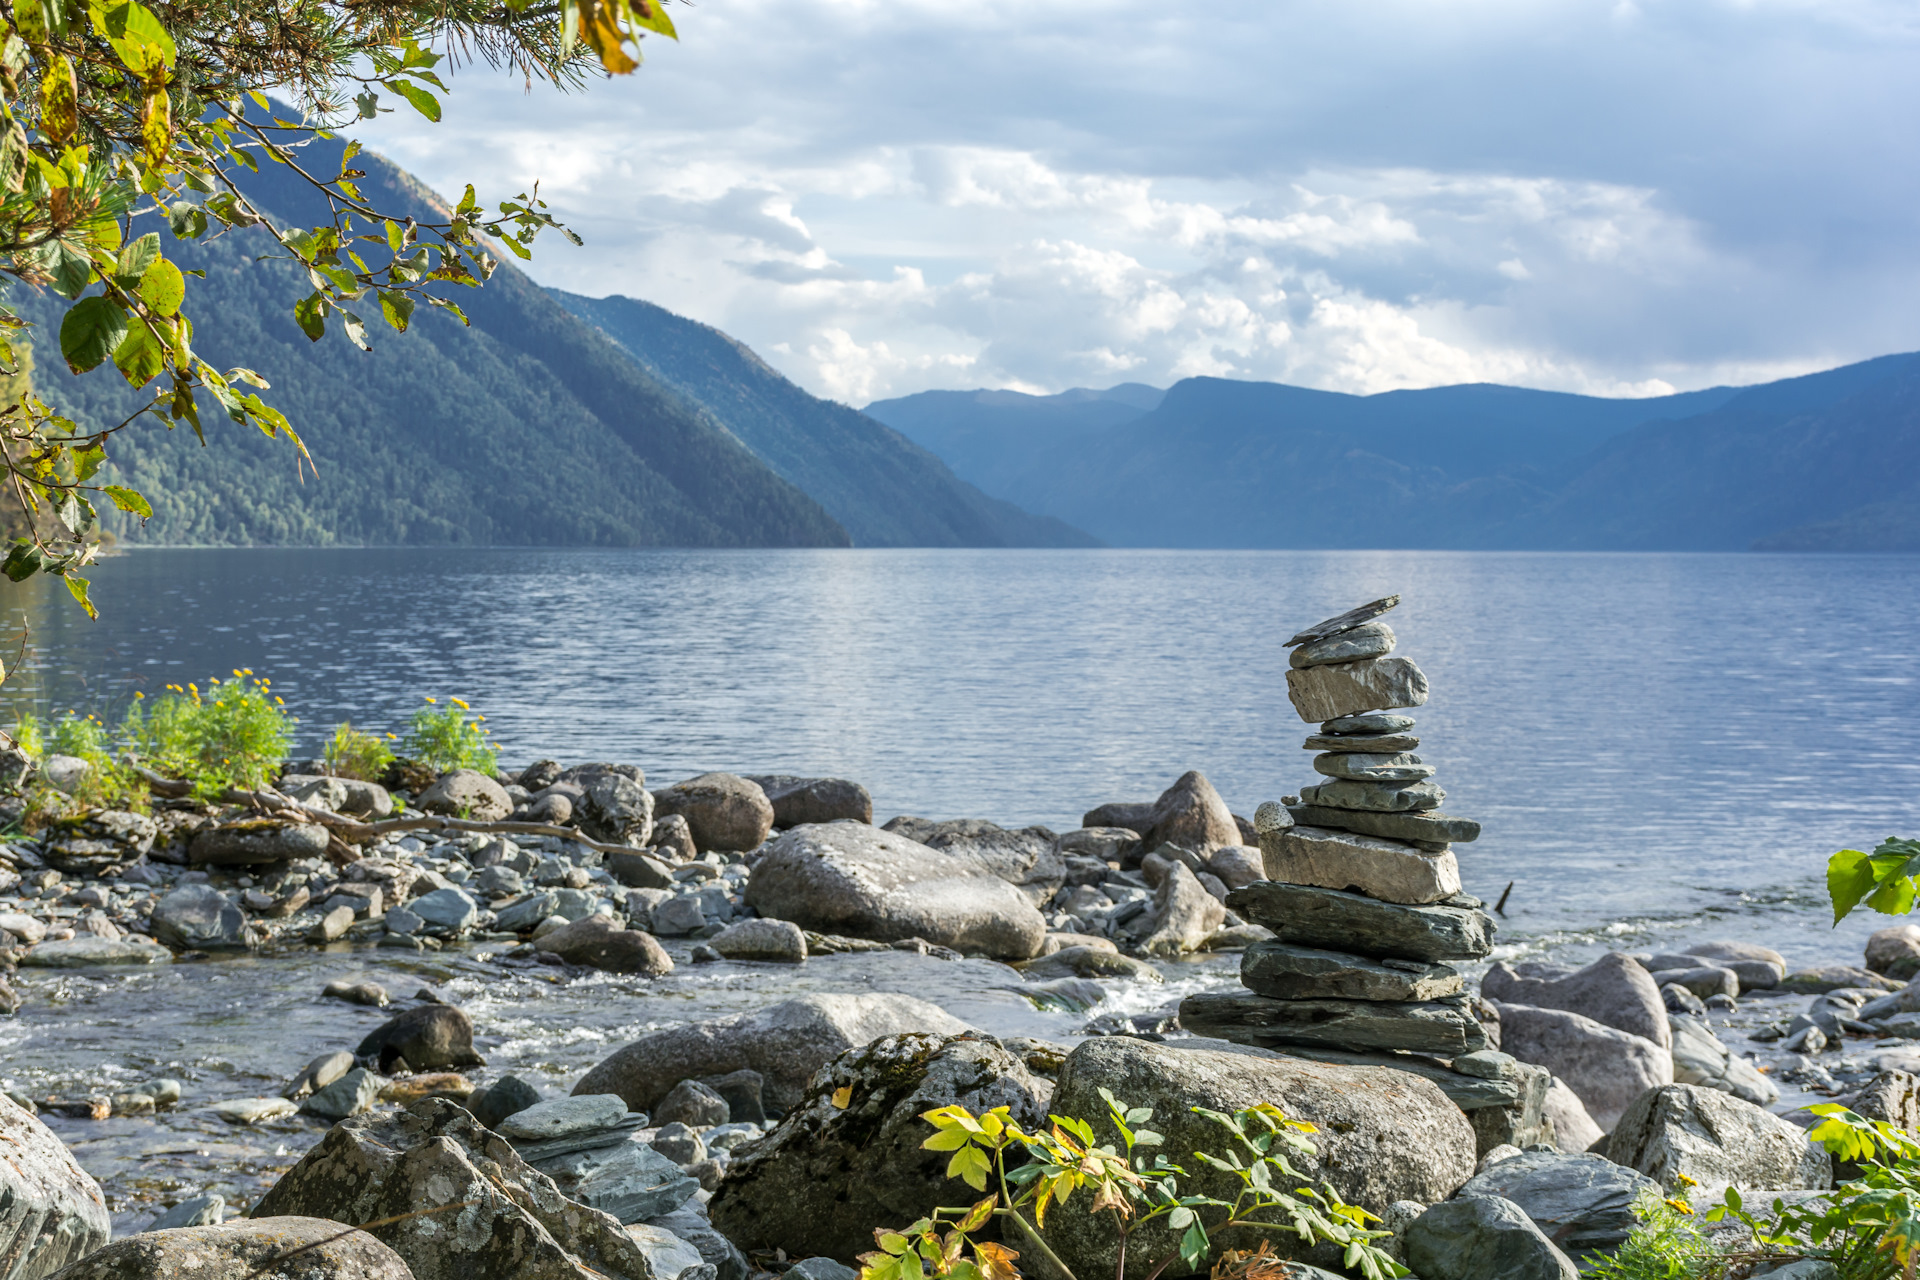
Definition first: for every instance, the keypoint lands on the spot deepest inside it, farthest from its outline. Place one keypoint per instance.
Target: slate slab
(1429, 825)
(1287, 971)
(1441, 1027)
(1310, 916)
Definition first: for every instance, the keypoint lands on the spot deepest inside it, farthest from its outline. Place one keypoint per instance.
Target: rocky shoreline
(1498, 1120)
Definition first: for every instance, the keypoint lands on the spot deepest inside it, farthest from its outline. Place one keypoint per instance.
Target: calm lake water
(1645, 737)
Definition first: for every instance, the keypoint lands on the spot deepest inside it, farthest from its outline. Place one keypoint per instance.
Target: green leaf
(127, 500)
(138, 356)
(87, 462)
(356, 329)
(77, 587)
(93, 327)
(163, 288)
(311, 313)
(187, 220)
(137, 36)
(72, 270)
(136, 258)
(652, 15)
(423, 102)
(397, 308)
(969, 1164)
(1193, 1245)
(22, 562)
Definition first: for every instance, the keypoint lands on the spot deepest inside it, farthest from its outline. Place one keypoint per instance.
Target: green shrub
(107, 783)
(1666, 1245)
(351, 753)
(449, 738)
(236, 734)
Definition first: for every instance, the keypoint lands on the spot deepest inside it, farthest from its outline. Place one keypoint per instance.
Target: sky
(1615, 197)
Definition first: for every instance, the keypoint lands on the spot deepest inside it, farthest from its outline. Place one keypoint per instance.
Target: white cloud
(883, 197)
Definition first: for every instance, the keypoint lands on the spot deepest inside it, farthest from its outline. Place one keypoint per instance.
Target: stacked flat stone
(1363, 896)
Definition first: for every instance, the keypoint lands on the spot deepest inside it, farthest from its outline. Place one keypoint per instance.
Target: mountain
(988, 437)
(1815, 462)
(883, 488)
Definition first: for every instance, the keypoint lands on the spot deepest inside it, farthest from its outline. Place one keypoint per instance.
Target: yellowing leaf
(163, 288)
(156, 124)
(970, 1165)
(59, 100)
(977, 1216)
(996, 1261)
(652, 15)
(128, 500)
(843, 1097)
(947, 1140)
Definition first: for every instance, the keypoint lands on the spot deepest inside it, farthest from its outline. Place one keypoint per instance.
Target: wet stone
(1286, 971)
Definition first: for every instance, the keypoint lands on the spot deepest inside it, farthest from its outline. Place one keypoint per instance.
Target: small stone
(367, 993)
(446, 912)
(1430, 827)
(820, 1269)
(319, 1073)
(1680, 1000)
(1376, 684)
(638, 871)
(1375, 797)
(679, 1144)
(678, 917)
(1486, 1064)
(351, 1094)
(668, 1256)
(201, 1211)
(254, 900)
(524, 915)
(694, 1104)
(775, 941)
(252, 1110)
(1368, 640)
(564, 1118)
(257, 840)
(1805, 1040)
(1371, 767)
(1832, 977)
(88, 950)
(402, 921)
(1383, 743)
(1288, 972)
(133, 1104)
(1369, 722)
(509, 1095)
(1383, 869)
(165, 1093)
(23, 926)
(1707, 980)
(333, 925)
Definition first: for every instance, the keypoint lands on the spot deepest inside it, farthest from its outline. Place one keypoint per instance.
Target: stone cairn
(1363, 897)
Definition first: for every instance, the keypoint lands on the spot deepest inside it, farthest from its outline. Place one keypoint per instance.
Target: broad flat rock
(1375, 797)
(1346, 621)
(1427, 826)
(1370, 766)
(1469, 1093)
(1383, 869)
(1369, 722)
(1348, 688)
(1288, 971)
(1441, 1027)
(1334, 919)
(1382, 742)
(1368, 640)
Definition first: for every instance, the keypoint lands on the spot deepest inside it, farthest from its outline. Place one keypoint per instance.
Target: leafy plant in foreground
(1888, 879)
(351, 753)
(444, 738)
(1133, 1190)
(1667, 1244)
(236, 734)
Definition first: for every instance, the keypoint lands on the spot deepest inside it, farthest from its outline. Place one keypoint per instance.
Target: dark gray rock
(844, 878)
(1287, 971)
(351, 1094)
(1368, 640)
(628, 1180)
(561, 1118)
(785, 1043)
(280, 1248)
(616, 809)
(385, 1169)
(638, 871)
(598, 942)
(257, 840)
(1680, 1000)
(1583, 1203)
(522, 916)
(446, 913)
(1375, 797)
(1480, 1238)
(1431, 826)
(429, 1038)
(197, 917)
(1089, 962)
(504, 1097)
(742, 1092)
(466, 793)
(821, 1180)
(680, 1144)
(690, 1223)
(1372, 743)
(1133, 815)
(199, 1211)
(1718, 1141)
(1347, 621)
(51, 1212)
(1339, 921)
(1613, 991)
(694, 1104)
(1380, 1136)
(1706, 981)
(1440, 1027)
(799, 801)
(1821, 979)
(1370, 722)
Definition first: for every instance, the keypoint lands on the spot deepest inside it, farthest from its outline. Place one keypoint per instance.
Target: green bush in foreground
(352, 753)
(236, 734)
(444, 738)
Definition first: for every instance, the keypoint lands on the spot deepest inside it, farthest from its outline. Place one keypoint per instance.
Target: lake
(1652, 741)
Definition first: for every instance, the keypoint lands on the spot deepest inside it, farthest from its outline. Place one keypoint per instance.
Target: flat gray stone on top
(564, 1118)
(1344, 622)
(1376, 797)
(1368, 722)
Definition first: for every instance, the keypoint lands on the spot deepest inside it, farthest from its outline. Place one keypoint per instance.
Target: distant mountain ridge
(1821, 462)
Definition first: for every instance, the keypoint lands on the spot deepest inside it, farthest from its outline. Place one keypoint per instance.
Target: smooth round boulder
(198, 917)
(51, 1212)
(466, 793)
(1192, 815)
(245, 1249)
(1895, 951)
(598, 942)
(799, 801)
(1480, 1238)
(256, 841)
(725, 811)
(849, 879)
(772, 941)
(1717, 1141)
(430, 1037)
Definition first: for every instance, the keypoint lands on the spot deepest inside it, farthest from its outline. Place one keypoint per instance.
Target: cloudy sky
(886, 196)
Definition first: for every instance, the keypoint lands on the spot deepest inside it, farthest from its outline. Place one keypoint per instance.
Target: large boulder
(1028, 859)
(844, 878)
(1481, 1238)
(383, 1171)
(724, 810)
(798, 802)
(1607, 1068)
(1613, 991)
(428, 1038)
(198, 917)
(1130, 815)
(616, 809)
(466, 793)
(1699, 1057)
(257, 840)
(1894, 951)
(1582, 1202)
(51, 1212)
(1381, 1135)
(1191, 814)
(1573, 1126)
(263, 1249)
(829, 1174)
(786, 1043)
(1718, 1141)
(1183, 916)
(599, 942)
